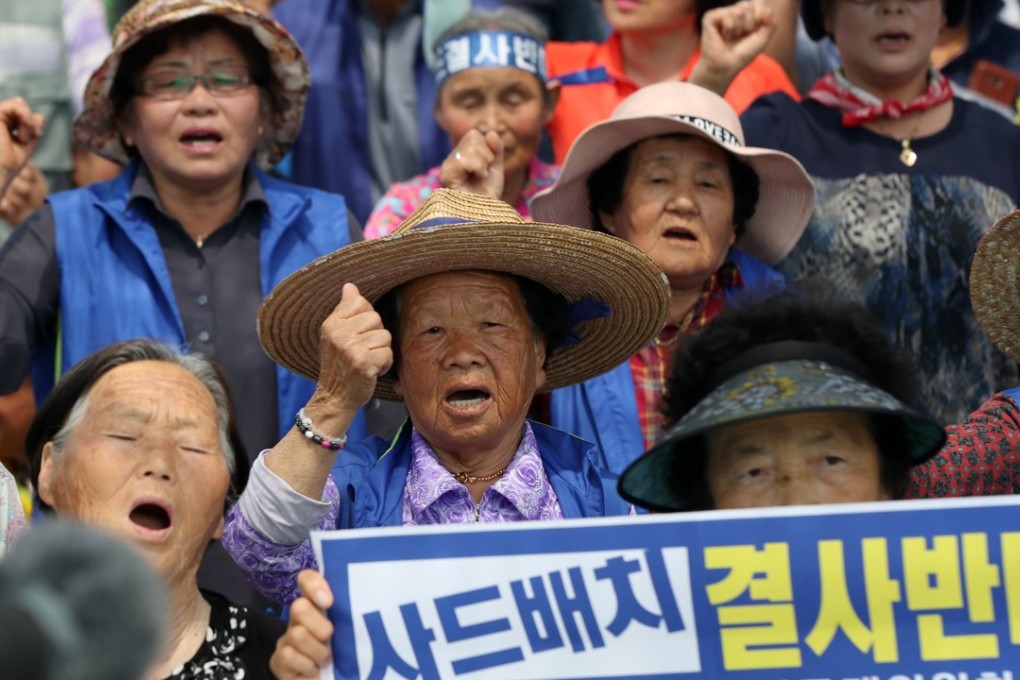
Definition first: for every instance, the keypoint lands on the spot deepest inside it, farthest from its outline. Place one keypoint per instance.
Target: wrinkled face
(798, 459)
(677, 207)
(653, 16)
(507, 100)
(145, 463)
(203, 139)
(470, 362)
(885, 43)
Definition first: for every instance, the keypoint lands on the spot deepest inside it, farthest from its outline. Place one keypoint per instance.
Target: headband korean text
(490, 49)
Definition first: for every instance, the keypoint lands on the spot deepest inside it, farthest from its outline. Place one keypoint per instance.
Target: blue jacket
(370, 477)
(331, 152)
(115, 286)
(604, 409)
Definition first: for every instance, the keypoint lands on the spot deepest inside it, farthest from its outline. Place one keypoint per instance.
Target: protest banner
(909, 590)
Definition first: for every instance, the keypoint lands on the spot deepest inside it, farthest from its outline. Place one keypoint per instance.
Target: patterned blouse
(237, 645)
(523, 492)
(981, 456)
(404, 198)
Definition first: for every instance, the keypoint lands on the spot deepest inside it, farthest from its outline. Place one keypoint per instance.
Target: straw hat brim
(575, 263)
(995, 285)
(95, 127)
(786, 195)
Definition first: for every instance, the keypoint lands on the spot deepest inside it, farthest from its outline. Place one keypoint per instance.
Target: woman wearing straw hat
(669, 173)
(982, 454)
(195, 98)
(797, 399)
(464, 313)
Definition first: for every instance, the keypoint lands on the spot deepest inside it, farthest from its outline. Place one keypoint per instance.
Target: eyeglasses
(174, 84)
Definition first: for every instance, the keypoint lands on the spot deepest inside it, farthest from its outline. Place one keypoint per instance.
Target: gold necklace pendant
(907, 156)
(464, 478)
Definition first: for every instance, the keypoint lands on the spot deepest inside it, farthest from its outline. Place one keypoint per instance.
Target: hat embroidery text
(717, 131)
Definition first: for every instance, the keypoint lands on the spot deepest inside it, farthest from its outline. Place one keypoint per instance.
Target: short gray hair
(204, 370)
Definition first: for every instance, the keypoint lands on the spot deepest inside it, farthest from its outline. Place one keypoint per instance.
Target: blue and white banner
(911, 590)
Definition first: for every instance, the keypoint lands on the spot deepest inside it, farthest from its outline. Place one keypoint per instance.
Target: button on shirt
(218, 291)
(433, 496)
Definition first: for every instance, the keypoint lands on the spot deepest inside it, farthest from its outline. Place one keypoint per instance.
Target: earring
(261, 130)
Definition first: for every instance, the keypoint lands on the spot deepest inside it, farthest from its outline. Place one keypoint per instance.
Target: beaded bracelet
(307, 428)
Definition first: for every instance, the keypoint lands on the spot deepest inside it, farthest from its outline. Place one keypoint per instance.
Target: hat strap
(788, 350)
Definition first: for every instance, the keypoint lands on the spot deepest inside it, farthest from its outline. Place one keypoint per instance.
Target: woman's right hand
(354, 350)
(20, 130)
(305, 647)
(475, 165)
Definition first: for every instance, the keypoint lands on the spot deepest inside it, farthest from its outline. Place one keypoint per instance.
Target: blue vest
(115, 286)
(604, 409)
(332, 150)
(370, 477)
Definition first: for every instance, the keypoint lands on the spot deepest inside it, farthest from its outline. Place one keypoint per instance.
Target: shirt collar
(428, 480)
(143, 187)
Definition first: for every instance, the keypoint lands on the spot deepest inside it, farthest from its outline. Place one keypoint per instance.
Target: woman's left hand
(731, 37)
(475, 165)
(305, 647)
(24, 195)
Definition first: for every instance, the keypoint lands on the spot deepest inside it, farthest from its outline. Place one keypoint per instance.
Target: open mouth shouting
(467, 400)
(151, 518)
(680, 234)
(201, 139)
(893, 39)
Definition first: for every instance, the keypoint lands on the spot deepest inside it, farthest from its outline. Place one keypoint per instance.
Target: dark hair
(547, 312)
(54, 421)
(605, 185)
(137, 58)
(811, 311)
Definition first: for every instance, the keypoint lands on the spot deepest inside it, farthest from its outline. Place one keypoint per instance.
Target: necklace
(464, 478)
(907, 155)
(680, 330)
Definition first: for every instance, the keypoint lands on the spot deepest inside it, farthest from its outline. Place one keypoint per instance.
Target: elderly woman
(798, 399)
(908, 177)
(669, 173)
(464, 314)
(137, 439)
(493, 100)
(182, 246)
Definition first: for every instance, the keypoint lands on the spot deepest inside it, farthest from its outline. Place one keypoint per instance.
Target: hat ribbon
(585, 309)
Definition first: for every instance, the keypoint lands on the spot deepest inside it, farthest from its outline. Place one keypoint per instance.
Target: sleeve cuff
(279, 512)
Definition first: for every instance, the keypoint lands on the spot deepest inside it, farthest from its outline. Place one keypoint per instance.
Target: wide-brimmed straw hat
(786, 194)
(663, 478)
(619, 298)
(814, 19)
(96, 126)
(995, 285)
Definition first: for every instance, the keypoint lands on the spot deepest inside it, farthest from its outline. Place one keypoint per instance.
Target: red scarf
(859, 106)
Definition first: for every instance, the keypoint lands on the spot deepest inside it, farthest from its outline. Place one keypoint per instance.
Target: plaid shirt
(650, 367)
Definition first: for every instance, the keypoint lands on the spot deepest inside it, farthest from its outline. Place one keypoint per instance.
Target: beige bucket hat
(786, 195)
